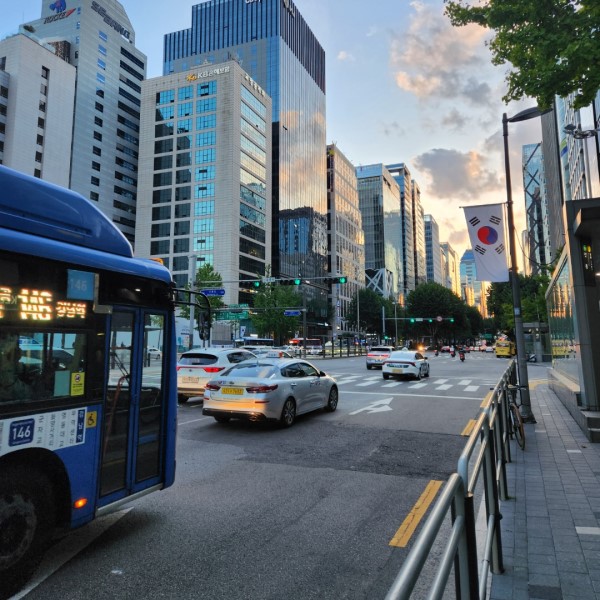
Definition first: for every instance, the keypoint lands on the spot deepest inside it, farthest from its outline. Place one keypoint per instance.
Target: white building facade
(205, 175)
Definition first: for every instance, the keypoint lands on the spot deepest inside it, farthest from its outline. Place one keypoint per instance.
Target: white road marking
(440, 381)
(443, 387)
(367, 382)
(464, 382)
(471, 388)
(416, 386)
(194, 421)
(392, 384)
(377, 406)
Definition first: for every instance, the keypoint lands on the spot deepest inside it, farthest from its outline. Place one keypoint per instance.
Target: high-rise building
(468, 268)
(432, 250)
(346, 236)
(401, 174)
(37, 95)
(379, 201)
(205, 175)
(419, 235)
(452, 270)
(97, 37)
(274, 45)
(538, 251)
(469, 281)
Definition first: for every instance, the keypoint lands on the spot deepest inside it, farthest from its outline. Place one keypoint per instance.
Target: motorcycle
(437, 352)
(452, 353)
(461, 355)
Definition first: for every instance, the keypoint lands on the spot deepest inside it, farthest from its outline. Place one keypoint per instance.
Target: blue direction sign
(291, 313)
(214, 292)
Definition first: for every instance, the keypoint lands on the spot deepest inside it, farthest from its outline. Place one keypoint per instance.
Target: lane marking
(194, 421)
(392, 384)
(405, 531)
(440, 381)
(471, 388)
(412, 395)
(469, 428)
(446, 386)
(464, 382)
(416, 386)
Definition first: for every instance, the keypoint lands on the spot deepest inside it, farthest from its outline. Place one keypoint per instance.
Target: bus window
(34, 367)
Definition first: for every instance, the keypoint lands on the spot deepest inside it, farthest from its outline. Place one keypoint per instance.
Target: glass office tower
(274, 45)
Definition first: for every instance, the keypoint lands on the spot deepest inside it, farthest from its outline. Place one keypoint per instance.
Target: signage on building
(254, 85)
(109, 20)
(208, 73)
(252, 1)
(61, 13)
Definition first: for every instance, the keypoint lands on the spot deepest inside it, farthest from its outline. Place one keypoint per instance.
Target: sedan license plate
(231, 390)
(190, 379)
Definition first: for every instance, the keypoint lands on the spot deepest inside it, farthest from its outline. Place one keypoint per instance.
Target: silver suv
(377, 355)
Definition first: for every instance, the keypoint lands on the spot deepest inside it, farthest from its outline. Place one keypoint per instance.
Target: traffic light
(430, 320)
(412, 320)
(451, 319)
(296, 281)
(340, 279)
(256, 284)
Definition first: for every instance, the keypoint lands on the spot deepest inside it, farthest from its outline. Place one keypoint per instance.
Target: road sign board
(291, 313)
(214, 292)
(232, 316)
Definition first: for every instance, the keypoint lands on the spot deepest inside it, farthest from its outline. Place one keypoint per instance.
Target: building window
(39, 140)
(102, 49)
(204, 173)
(184, 159)
(204, 191)
(102, 64)
(161, 213)
(184, 126)
(183, 193)
(206, 122)
(181, 245)
(165, 97)
(97, 151)
(45, 72)
(165, 113)
(206, 139)
(37, 173)
(163, 146)
(205, 156)
(161, 230)
(100, 78)
(161, 196)
(161, 179)
(94, 196)
(95, 165)
(41, 123)
(97, 136)
(38, 155)
(207, 89)
(184, 142)
(185, 109)
(160, 247)
(182, 228)
(185, 93)
(43, 89)
(98, 121)
(183, 176)
(42, 106)
(206, 105)
(182, 211)
(103, 36)
(95, 181)
(163, 129)
(163, 162)
(100, 93)
(3, 92)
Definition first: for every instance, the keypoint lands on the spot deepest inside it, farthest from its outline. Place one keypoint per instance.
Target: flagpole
(526, 411)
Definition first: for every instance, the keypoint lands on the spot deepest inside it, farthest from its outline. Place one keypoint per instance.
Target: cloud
(393, 129)
(454, 120)
(434, 60)
(343, 55)
(457, 175)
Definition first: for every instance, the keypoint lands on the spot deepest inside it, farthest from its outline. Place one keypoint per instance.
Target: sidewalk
(551, 525)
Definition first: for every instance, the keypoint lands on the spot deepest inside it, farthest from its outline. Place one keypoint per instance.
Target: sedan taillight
(213, 387)
(261, 389)
(212, 369)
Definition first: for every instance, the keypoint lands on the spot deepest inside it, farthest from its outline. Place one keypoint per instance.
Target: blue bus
(87, 413)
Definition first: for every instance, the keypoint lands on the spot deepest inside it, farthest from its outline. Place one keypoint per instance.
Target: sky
(403, 85)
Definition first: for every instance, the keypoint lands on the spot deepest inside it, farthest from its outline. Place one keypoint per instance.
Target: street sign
(240, 315)
(214, 292)
(291, 313)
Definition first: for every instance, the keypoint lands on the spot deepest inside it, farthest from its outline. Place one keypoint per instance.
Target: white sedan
(405, 363)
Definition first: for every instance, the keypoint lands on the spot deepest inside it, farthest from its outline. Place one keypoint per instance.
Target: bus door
(134, 406)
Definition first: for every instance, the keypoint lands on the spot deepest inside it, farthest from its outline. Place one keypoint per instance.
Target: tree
(430, 300)
(369, 309)
(206, 277)
(553, 46)
(268, 319)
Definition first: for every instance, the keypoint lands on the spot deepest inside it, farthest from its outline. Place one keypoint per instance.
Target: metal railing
(484, 458)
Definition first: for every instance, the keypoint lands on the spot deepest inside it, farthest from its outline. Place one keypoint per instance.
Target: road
(258, 512)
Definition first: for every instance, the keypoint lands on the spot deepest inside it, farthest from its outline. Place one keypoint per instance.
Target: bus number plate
(190, 379)
(21, 432)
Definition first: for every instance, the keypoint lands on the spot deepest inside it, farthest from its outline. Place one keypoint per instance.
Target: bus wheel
(26, 522)
(181, 399)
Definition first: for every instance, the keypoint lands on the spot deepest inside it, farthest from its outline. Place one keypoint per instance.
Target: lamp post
(526, 411)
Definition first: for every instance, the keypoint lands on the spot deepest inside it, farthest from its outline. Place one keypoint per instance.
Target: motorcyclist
(461, 354)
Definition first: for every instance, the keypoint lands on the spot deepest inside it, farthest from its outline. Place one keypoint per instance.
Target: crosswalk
(433, 383)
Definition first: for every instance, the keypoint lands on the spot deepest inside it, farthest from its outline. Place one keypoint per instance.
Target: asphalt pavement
(551, 524)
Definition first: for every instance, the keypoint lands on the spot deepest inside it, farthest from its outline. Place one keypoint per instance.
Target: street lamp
(526, 411)
(580, 134)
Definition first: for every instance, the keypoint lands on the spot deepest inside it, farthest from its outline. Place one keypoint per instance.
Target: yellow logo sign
(91, 419)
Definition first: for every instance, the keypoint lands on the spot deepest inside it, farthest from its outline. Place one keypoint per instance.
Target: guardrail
(484, 457)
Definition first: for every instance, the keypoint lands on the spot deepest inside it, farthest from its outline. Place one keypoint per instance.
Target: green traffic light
(256, 284)
(342, 279)
(297, 281)
(412, 320)
(451, 319)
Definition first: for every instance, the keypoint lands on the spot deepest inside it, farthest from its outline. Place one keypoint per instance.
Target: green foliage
(533, 302)
(369, 309)
(206, 277)
(552, 46)
(268, 320)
